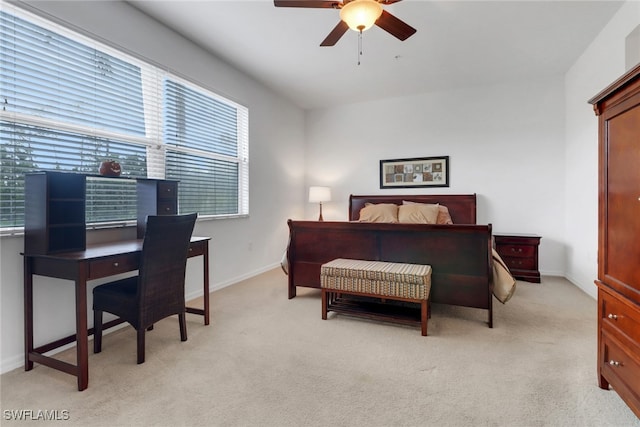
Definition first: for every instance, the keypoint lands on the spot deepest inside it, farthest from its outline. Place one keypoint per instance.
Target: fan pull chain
(359, 46)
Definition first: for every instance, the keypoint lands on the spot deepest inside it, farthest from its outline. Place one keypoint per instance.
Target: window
(201, 134)
(69, 103)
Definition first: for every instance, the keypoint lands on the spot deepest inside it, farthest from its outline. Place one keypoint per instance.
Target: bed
(460, 254)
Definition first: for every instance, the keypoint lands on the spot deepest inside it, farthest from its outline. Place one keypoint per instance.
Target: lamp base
(320, 217)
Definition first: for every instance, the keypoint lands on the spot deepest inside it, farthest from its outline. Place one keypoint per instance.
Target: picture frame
(415, 172)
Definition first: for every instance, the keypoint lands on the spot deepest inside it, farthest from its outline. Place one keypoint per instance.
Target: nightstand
(520, 253)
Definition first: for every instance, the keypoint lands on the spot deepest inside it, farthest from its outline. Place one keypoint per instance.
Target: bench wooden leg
(424, 315)
(324, 304)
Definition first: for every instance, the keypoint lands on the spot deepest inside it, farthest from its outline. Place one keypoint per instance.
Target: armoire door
(622, 229)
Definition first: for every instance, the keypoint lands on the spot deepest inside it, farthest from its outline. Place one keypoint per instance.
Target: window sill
(19, 231)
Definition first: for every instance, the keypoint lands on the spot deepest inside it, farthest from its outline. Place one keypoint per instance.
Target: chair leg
(97, 331)
(141, 333)
(183, 326)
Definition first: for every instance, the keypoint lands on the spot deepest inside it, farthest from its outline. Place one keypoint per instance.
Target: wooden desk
(97, 261)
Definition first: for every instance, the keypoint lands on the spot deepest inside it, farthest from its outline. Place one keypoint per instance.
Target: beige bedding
(504, 285)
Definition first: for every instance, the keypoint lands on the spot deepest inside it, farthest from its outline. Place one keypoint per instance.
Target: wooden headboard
(462, 207)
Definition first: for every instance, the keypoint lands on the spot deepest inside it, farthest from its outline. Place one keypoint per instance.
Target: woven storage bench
(377, 279)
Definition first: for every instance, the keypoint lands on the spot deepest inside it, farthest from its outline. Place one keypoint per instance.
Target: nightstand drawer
(516, 251)
(520, 263)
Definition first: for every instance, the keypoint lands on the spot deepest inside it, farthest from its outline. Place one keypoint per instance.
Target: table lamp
(319, 195)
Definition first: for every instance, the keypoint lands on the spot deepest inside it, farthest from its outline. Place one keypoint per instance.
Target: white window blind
(69, 103)
(204, 140)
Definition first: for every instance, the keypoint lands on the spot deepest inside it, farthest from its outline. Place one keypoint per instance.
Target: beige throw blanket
(504, 285)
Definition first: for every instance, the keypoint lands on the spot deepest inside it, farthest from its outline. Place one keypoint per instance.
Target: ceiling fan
(359, 15)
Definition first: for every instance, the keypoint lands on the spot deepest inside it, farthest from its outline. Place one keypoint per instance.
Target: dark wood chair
(158, 289)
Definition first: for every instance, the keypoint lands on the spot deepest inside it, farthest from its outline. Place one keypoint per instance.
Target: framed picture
(418, 172)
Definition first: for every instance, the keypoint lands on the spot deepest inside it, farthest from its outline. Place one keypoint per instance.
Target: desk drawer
(197, 248)
(113, 265)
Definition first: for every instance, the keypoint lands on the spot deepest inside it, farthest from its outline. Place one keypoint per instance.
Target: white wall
(505, 142)
(601, 64)
(239, 247)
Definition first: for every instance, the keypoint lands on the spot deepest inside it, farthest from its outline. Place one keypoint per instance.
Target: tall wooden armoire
(618, 111)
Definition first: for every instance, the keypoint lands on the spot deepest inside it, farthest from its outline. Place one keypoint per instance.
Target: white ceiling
(458, 44)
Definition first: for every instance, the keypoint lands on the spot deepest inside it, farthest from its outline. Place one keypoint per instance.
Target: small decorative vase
(110, 168)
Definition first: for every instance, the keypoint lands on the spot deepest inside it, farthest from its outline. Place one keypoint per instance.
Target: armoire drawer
(619, 366)
(621, 318)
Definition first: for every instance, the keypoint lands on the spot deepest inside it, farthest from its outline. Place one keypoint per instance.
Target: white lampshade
(360, 15)
(319, 194)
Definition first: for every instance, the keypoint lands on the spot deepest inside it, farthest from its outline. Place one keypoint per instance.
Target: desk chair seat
(158, 289)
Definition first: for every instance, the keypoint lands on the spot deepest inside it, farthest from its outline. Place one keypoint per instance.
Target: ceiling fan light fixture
(360, 15)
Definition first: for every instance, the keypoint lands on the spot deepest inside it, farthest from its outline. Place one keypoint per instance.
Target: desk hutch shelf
(55, 204)
(54, 213)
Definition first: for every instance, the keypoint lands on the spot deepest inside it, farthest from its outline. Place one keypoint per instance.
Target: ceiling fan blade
(395, 26)
(335, 34)
(388, 1)
(315, 4)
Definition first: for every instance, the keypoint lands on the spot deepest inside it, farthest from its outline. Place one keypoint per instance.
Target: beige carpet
(269, 361)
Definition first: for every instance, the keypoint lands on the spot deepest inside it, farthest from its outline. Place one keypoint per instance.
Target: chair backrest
(163, 266)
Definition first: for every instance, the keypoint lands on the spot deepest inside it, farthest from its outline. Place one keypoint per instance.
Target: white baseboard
(16, 362)
(232, 281)
(591, 290)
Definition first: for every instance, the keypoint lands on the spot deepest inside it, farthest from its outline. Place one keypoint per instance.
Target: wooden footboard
(459, 255)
